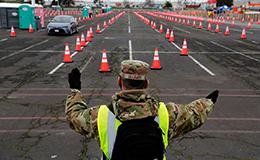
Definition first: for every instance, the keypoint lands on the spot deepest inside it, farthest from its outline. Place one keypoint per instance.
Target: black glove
(74, 79)
(213, 96)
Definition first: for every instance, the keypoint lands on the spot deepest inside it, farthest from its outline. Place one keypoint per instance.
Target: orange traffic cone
(156, 61)
(78, 46)
(104, 64)
(30, 28)
(243, 35)
(200, 26)
(188, 23)
(249, 25)
(91, 32)
(171, 37)
(217, 29)
(83, 42)
(183, 22)
(184, 51)
(161, 29)
(179, 21)
(243, 20)
(98, 29)
(227, 31)
(105, 25)
(109, 22)
(223, 22)
(194, 24)
(167, 33)
(175, 20)
(209, 27)
(88, 36)
(154, 25)
(258, 22)
(67, 58)
(233, 23)
(12, 32)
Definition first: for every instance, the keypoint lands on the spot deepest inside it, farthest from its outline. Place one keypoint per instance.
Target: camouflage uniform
(136, 104)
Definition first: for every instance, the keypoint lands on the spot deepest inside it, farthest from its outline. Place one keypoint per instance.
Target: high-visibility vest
(108, 125)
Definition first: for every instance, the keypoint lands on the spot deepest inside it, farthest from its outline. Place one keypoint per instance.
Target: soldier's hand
(213, 96)
(74, 79)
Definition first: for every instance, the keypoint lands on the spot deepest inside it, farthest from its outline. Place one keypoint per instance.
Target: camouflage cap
(134, 69)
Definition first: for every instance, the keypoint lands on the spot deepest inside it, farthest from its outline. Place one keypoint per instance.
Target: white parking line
(181, 30)
(1, 40)
(197, 62)
(62, 63)
(235, 51)
(130, 50)
(163, 23)
(81, 26)
(129, 29)
(23, 49)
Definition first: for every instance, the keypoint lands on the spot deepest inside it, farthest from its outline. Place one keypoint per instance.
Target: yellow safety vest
(108, 125)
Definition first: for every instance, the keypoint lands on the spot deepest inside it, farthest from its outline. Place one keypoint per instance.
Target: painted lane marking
(197, 62)
(235, 51)
(62, 63)
(181, 30)
(130, 50)
(1, 40)
(163, 23)
(129, 29)
(24, 49)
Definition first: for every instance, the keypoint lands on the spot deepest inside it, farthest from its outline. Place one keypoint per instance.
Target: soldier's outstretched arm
(185, 118)
(80, 118)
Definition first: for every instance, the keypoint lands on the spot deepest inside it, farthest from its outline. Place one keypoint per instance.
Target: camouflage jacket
(136, 104)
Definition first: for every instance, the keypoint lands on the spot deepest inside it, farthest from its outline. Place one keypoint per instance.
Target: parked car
(62, 25)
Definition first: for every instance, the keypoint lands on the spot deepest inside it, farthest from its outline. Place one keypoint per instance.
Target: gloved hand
(74, 79)
(213, 96)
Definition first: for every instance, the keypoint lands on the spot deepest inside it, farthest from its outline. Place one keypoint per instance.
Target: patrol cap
(134, 69)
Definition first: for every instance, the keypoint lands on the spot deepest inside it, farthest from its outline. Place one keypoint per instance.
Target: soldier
(132, 103)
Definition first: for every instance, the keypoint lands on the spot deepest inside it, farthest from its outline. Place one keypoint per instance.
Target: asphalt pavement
(33, 85)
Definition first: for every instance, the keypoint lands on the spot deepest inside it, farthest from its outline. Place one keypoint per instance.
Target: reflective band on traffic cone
(104, 64)
(91, 32)
(171, 37)
(243, 20)
(154, 25)
(88, 36)
(188, 23)
(194, 24)
(98, 29)
(67, 58)
(243, 35)
(200, 26)
(217, 29)
(156, 61)
(161, 29)
(83, 42)
(227, 31)
(249, 25)
(167, 33)
(105, 25)
(184, 51)
(12, 32)
(30, 28)
(209, 27)
(78, 46)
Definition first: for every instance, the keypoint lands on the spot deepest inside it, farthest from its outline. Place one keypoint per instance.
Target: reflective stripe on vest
(108, 125)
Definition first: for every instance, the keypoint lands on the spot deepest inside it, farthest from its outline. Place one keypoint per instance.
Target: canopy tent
(224, 7)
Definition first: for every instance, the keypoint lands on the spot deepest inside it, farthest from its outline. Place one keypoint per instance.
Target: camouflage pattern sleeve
(185, 118)
(80, 118)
